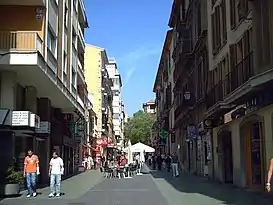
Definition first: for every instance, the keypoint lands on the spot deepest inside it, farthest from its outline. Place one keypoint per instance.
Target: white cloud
(131, 60)
(128, 74)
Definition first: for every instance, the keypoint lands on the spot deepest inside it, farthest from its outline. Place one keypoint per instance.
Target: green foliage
(14, 176)
(138, 128)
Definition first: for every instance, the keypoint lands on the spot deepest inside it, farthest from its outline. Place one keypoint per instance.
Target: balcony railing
(242, 72)
(216, 94)
(81, 35)
(80, 70)
(20, 41)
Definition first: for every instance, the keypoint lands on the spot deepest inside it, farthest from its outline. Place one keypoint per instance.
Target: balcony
(20, 41)
(187, 103)
(23, 54)
(241, 73)
(215, 95)
(24, 2)
(183, 61)
(80, 71)
(81, 36)
(75, 21)
(234, 89)
(80, 101)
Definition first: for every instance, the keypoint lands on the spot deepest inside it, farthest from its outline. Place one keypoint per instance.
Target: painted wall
(92, 74)
(20, 18)
(239, 176)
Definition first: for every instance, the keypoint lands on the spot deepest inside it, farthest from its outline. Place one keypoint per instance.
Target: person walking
(175, 165)
(159, 161)
(56, 169)
(31, 170)
(168, 163)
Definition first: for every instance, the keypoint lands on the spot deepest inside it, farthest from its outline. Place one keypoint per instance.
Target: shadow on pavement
(188, 183)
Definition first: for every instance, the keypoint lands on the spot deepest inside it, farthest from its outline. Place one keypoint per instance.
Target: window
(73, 78)
(116, 116)
(65, 63)
(115, 81)
(224, 21)
(216, 30)
(199, 24)
(232, 14)
(51, 42)
(66, 16)
(64, 79)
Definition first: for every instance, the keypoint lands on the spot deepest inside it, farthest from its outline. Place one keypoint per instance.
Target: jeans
(55, 181)
(31, 182)
(175, 169)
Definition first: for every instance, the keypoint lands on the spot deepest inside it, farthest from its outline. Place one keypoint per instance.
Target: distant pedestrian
(175, 165)
(56, 169)
(168, 163)
(31, 170)
(159, 161)
(154, 161)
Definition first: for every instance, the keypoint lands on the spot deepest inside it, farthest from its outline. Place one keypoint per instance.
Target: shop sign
(191, 129)
(163, 134)
(25, 118)
(44, 128)
(201, 127)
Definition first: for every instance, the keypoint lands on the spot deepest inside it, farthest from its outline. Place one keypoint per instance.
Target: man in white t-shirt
(56, 169)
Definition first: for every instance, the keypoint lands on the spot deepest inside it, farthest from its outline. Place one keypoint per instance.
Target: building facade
(223, 123)
(188, 20)
(117, 105)
(149, 107)
(239, 99)
(100, 84)
(162, 134)
(43, 92)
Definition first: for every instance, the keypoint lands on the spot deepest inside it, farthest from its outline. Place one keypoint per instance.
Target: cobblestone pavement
(157, 188)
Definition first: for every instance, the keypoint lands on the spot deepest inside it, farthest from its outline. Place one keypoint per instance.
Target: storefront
(17, 129)
(204, 155)
(249, 139)
(192, 148)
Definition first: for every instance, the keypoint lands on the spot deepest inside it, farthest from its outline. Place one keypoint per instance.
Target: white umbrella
(129, 152)
(130, 156)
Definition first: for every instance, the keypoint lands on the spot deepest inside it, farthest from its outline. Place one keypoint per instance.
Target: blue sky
(132, 32)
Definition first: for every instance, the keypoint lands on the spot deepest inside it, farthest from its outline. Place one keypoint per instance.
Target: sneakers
(58, 195)
(30, 195)
(51, 195)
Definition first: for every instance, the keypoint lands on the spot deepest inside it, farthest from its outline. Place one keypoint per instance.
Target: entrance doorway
(225, 156)
(253, 155)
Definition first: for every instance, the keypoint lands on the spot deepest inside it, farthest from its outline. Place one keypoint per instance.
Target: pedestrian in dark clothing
(153, 161)
(159, 161)
(168, 162)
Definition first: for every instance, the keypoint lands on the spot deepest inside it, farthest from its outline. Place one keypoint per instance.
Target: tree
(138, 128)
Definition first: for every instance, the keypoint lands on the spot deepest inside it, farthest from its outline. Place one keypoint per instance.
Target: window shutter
(218, 27)
(232, 14)
(213, 33)
(224, 20)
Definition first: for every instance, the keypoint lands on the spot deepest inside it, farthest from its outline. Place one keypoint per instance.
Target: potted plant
(14, 178)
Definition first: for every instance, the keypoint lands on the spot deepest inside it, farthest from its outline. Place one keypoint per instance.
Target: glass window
(116, 116)
(51, 42)
(115, 81)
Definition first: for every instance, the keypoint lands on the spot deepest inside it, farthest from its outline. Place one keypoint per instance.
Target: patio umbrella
(129, 152)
